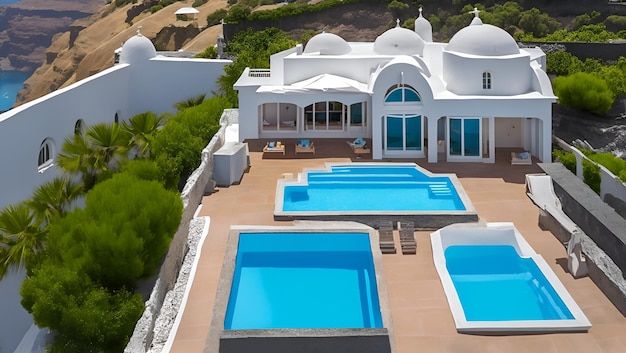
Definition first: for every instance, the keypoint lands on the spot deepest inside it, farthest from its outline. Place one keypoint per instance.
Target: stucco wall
(124, 89)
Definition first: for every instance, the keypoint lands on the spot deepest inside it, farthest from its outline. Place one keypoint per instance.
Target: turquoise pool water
(495, 284)
(303, 280)
(372, 188)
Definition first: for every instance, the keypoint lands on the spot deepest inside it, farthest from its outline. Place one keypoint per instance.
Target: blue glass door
(395, 132)
(464, 137)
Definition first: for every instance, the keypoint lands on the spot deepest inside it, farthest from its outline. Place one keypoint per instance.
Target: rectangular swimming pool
(312, 286)
(495, 282)
(363, 191)
(303, 280)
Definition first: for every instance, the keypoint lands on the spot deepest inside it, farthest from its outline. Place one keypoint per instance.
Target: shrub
(609, 161)
(197, 3)
(237, 13)
(144, 169)
(566, 158)
(584, 91)
(155, 8)
(562, 63)
(85, 316)
(591, 175)
(216, 17)
(177, 147)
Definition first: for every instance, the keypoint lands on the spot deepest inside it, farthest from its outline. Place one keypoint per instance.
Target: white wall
(153, 85)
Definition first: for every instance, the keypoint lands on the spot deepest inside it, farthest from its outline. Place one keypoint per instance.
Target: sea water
(11, 82)
(8, 2)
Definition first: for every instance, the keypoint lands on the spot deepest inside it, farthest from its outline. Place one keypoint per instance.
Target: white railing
(610, 184)
(259, 73)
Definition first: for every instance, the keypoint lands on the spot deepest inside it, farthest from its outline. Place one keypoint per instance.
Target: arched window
(79, 127)
(486, 80)
(46, 154)
(402, 94)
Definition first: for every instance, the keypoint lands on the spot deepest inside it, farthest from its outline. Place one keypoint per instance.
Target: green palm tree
(109, 141)
(142, 128)
(190, 102)
(95, 152)
(21, 237)
(51, 200)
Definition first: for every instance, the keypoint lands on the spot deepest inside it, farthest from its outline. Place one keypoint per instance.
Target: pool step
(442, 190)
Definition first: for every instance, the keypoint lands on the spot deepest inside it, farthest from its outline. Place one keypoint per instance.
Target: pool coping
(580, 323)
(425, 220)
(291, 340)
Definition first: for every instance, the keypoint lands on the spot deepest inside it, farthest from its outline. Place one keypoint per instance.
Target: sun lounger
(385, 235)
(358, 146)
(304, 146)
(274, 147)
(522, 158)
(407, 238)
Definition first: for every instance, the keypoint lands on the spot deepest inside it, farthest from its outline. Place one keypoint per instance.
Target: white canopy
(186, 11)
(319, 83)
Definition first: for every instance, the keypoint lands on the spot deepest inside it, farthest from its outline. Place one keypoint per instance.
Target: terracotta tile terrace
(422, 321)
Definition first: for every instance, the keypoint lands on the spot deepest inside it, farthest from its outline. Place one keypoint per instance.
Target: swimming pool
(360, 191)
(313, 286)
(495, 282)
(303, 280)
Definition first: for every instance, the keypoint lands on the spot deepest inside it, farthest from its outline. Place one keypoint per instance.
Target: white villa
(412, 97)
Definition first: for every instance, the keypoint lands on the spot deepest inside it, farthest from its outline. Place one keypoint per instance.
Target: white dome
(399, 41)
(327, 44)
(137, 49)
(484, 40)
(423, 28)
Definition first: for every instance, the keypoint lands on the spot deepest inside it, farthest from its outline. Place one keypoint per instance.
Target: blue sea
(8, 2)
(11, 82)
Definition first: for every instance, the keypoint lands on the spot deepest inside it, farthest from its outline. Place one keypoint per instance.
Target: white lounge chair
(521, 158)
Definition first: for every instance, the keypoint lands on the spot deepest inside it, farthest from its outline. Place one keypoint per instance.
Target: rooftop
(420, 313)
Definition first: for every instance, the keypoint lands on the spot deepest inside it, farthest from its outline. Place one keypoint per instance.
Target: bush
(591, 175)
(237, 14)
(85, 316)
(566, 158)
(155, 8)
(178, 146)
(216, 17)
(562, 63)
(197, 3)
(614, 164)
(144, 169)
(584, 91)
(122, 233)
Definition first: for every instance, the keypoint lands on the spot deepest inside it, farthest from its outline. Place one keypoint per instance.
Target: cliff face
(88, 46)
(27, 29)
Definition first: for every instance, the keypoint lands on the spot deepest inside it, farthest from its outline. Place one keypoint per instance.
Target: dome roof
(483, 39)
(423, 28)
(399, 41)
(327, 44)
(137, 49)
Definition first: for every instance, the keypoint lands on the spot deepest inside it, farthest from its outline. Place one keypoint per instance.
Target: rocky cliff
(27, 29)
(88, 46)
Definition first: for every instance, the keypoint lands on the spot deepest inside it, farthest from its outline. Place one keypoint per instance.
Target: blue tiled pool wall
(346, 251)
(385, 188)
(495, 284)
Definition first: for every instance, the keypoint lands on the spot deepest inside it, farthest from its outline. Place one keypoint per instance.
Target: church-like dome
(483, 39)
(137, 49)
(423, 28)
(399, 41)
(327, 44)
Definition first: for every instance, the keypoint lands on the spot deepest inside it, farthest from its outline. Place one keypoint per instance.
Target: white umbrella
(319, 83)
(186, 11)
